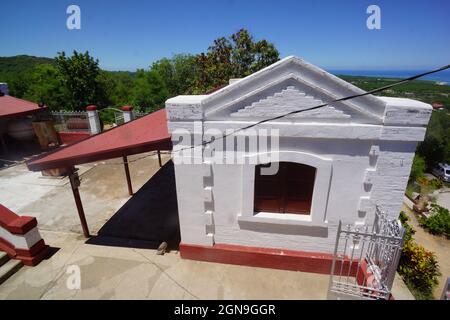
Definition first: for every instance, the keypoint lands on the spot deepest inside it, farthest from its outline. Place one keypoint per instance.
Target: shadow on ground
(16, 150)
(148, 218)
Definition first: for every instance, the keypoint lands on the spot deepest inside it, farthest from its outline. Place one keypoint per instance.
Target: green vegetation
(418, 168)
(234, 57)
(80, 76)
(73, 82)
(411, 188)
(422, 90)
(409, 231)
(438, 222)
(16, 70)
(436, 146)
(418, 267)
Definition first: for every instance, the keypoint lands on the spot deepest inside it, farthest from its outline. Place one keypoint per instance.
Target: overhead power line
(310, 108)
(321, 105)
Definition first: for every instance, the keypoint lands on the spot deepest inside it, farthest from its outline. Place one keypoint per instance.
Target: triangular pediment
(289, 85)
(288, 100)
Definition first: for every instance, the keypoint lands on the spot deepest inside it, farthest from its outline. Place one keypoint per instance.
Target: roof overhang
(11, 107)
(145, 134)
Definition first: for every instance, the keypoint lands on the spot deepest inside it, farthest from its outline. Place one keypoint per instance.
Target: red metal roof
(141, 135)
(13, 107)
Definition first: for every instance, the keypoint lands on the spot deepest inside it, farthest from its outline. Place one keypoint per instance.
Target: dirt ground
(439, 245)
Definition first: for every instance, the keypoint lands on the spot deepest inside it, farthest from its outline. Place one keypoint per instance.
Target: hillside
(14, 70)
(20, 64)
(16, 65)
(423, 90)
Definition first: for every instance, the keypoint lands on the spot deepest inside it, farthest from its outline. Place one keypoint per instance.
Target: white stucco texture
(362, 150)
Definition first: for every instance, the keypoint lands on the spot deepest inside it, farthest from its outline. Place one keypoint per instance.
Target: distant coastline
(442, 77)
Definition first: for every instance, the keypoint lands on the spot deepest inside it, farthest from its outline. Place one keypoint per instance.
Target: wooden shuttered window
(290, 190)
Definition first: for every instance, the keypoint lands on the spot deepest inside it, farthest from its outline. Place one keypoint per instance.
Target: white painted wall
(349, 161)
(362, 159)
(94, 121)
(19, 241)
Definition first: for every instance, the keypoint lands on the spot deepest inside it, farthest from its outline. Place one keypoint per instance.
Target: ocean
(442, 76)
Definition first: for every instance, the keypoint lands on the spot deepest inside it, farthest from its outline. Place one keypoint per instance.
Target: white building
(336, 163)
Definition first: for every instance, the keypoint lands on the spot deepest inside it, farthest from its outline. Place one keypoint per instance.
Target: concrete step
(4, 258)
(9, 268)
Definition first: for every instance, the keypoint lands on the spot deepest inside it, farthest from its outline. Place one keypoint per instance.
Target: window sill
(282, 219)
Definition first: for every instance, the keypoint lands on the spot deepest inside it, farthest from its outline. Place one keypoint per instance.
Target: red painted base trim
(30, 257)
(14, 223)
(264, 258)
(71, 137)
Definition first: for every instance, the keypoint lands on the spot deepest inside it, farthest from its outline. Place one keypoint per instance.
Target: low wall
(20, 238)
(71, 137)
(408, 202)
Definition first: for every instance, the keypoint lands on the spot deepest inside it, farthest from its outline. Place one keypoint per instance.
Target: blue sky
(125, 35)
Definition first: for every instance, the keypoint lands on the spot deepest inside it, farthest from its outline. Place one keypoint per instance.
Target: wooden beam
(159, 158)
(127, 174)
(75, 183)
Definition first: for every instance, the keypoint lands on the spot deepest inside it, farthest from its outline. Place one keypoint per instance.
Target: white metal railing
(73, 121)
(118, 116)
(365, 259)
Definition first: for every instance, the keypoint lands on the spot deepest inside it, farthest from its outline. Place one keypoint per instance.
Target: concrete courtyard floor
(120, 261)
(124, 273)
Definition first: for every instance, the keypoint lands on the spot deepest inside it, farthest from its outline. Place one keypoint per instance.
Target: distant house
(15, 117)
(334, 163)
(437, 105)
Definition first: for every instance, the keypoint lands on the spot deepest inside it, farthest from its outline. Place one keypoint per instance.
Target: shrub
(418, 168)
(417, 266)
(419, 269)
(438, 222)
(409, 231)
(107, 115)
(412, 187)
(436, 184)
(423, 181)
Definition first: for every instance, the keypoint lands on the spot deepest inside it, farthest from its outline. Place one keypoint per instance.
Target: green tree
(118, 86)
(44, 87)
(418, 168)
(177, 73)
(80, 74)
(438, 222)
(18, 85)
(436, 146)
(234, 57)
(149, 91)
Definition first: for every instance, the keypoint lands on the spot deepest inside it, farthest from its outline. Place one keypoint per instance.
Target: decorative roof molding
(288, 100)
(297, 72)
(292, 84)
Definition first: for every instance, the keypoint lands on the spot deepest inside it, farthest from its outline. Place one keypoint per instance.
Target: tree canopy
(234, 57)
(75, 81)
(80, 75)
(436, 146)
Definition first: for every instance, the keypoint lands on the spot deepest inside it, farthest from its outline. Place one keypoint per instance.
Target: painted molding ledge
(20, 238)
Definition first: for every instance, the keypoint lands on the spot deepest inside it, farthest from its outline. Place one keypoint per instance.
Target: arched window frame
(319, 204)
